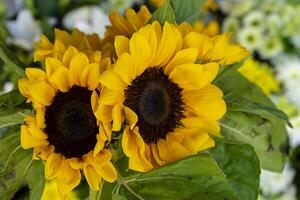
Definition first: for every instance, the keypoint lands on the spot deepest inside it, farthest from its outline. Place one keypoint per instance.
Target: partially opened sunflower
(64, 130)
(164, 94)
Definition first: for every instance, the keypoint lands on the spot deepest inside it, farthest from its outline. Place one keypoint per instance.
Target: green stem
(122, 181)
(96, 195)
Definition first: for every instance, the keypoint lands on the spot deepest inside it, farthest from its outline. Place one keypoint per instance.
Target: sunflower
(211, 29)
(89, 44)
(64, 131)
(166, 98)
(127, 25)
(216, 49)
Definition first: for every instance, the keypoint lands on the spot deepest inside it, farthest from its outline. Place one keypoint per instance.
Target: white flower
(236, 7)
(271, 46)
(231, 25)
(274, 183)
(288, 72)
(289, 194)
(250, 38)
(255, 19)
(13, 7)
(88, 19)
(119, 5)
(294, 133)
(25, 31)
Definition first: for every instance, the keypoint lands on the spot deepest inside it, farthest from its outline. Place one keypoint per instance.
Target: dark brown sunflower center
(71, 125)
(157, 101)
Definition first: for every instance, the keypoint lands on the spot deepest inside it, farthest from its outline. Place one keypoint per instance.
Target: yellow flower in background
(65, 132)
(50, 192)
(84, 43)
(216, 49)
(260, 74)
(167, 99)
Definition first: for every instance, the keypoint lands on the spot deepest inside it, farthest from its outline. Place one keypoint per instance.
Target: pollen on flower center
(157, 101)
(70, 123)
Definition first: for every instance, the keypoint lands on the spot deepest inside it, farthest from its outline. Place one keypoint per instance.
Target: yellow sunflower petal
(90, 76)
(206, 103)
(134, 147)
(200, 42)
(94, 101)
(28, 140)
(101, 159)
(92, 177)
(184, 56)
(121, 45)
(77, 64)
(191, 76)
(52, 165)
(178, 151)
(67, 178)
(112, 80)
(52, 64)
(35, 74)
(131, 117)
(167, 45)
(213, 68)
(156, 156)
(118, 117)
(107, 172)
(139, 55)
(111, 97)
(68, 55)
(40, 117)
(42, 92)
(234, 54)
(59, 79)
(126, 68)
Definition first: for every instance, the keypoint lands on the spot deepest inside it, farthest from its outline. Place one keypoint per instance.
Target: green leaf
(11, 117)
(236, 102)
(163, 14)
(268, 135)
(15, 163)
(240, 165)
(187, 11)
(11, 99)
(106, 192)
(9, 58)
(17, 168)
(36, 180)
(196, 177)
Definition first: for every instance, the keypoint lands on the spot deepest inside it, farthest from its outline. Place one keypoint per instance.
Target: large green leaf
(268, 135)
(178, 11)
(163, 14)
(196, 177)
(18, 168)
(240, 165)
(236, 102)
(187, 11)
